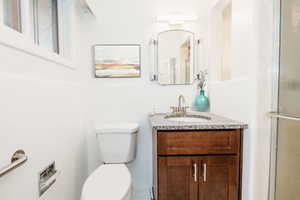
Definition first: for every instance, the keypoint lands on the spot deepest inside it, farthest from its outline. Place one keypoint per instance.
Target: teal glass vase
(202, 102)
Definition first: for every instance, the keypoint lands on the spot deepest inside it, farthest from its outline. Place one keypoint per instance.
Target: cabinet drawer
(198, 142)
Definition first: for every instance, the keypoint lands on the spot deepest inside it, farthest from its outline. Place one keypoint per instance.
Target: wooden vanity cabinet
(198, 165)
(176, 179)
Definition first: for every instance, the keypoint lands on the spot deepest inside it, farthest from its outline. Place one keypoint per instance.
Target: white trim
(27, 17)
(60, 23)
(18, 41)
(24, 42)
(65, 43)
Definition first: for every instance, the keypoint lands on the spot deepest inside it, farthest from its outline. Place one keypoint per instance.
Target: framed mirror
(175, 57)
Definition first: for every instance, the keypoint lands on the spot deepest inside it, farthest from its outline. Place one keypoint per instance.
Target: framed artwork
(117, 60)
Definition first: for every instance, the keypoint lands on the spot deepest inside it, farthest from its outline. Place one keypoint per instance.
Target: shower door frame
(275, 97)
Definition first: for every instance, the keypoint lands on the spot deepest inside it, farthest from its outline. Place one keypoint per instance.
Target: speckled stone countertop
(158, 122)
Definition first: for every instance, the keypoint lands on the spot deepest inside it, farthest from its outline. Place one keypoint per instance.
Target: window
(12, 14)
(46, 24)
(38, 27)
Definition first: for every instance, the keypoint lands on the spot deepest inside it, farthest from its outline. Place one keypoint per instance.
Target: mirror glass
(175, 57)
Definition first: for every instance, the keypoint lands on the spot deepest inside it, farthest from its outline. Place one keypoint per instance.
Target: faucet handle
(174, 109)
(185, 108)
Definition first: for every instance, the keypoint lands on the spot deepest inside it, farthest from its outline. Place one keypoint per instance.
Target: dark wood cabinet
(198, 142)
(221, 181)
(176, 178)
(198, 165)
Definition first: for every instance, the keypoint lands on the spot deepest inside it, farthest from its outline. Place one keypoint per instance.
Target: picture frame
(117, 60)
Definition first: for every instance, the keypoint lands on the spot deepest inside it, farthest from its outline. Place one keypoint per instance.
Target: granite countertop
(158, 122)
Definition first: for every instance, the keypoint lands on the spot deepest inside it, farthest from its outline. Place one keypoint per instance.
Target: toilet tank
(117, 141)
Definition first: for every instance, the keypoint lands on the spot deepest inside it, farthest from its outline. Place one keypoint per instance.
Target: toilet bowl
(108, 182)
(112, 180)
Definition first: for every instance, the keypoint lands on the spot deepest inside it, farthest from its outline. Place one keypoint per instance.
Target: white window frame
(24, 41)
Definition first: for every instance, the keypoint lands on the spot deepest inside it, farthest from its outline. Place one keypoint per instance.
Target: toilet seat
(108, 182)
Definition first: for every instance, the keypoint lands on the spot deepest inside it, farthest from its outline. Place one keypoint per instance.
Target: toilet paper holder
(47, 178)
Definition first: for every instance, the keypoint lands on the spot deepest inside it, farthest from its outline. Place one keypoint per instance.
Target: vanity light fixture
(176, 19)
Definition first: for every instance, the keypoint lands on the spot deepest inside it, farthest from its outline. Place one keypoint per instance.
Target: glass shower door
(288, 135)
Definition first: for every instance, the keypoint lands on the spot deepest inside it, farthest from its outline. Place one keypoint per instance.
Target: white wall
(266, 23)
(133, 22)
(43, 111)
(52, 111)
(248, 95)
(235, 98)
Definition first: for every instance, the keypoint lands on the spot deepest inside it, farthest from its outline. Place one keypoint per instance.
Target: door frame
(275, 97)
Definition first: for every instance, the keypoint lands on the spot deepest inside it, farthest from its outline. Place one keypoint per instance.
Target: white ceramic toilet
(112, 180)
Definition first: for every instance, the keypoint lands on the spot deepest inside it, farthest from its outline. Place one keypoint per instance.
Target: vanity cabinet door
(219, 178)
(178, 178)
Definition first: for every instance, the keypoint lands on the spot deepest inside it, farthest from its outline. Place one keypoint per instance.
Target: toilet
(112, 181)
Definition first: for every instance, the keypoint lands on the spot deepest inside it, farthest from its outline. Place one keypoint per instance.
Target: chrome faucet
(181, 108)
(181, 101)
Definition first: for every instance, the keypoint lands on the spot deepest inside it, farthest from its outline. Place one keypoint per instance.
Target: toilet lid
(117, 127)
(108, 182)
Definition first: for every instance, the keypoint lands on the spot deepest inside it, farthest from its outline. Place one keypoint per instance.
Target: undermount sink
(188, 118)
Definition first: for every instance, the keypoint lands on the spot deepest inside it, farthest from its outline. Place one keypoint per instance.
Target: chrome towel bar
(284, 116)
(18, 159)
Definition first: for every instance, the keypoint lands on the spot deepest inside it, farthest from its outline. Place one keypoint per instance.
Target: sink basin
(188, 118)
